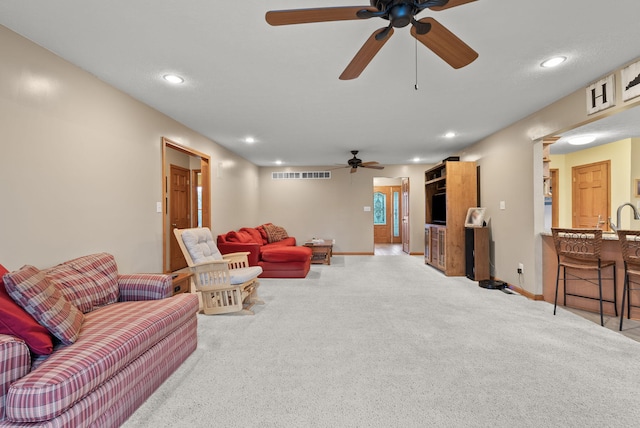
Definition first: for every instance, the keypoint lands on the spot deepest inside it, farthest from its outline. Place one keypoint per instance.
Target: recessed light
(416, 159)
(553, 62)
(173, 78)
(579, 141)
(250, 140)
(450, 134)
(278, 162)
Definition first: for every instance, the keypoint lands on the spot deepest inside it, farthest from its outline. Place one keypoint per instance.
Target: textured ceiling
(280, 84)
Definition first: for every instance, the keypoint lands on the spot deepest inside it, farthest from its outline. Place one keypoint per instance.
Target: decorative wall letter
(601, 95)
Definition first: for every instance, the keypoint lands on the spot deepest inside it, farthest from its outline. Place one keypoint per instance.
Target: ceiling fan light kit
(399, 13)
(354, 163)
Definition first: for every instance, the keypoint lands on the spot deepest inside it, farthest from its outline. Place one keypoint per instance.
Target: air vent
(301, 175)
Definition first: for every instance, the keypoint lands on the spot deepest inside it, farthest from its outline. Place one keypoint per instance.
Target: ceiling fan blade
(321, 14)
(372, 166)
(445, 44)
(369, 163)
(353, 170)
(366, 54)
(451, 3)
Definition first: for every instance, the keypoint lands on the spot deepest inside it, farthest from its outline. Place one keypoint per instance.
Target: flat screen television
(439, 208)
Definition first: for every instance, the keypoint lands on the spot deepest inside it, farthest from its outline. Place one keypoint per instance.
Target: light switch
(503, 205)
(367, 209)
(158, 207)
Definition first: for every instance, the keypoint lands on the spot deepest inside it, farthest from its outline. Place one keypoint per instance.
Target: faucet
(636, 215)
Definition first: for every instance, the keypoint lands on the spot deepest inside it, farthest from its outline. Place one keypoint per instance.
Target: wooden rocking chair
(227, 283)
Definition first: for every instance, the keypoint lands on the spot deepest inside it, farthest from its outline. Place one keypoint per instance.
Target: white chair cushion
(241, 275)
(200, 245)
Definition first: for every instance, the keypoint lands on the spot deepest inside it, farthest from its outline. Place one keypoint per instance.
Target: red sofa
(269, 247)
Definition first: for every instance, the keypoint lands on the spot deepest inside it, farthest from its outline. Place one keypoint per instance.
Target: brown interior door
(591, 197)
(405, 215)
(178, 212)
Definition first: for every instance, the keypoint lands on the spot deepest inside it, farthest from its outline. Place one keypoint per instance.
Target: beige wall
(80, 166)
(335, 208)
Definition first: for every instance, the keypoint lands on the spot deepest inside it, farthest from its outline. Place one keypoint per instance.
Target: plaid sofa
(123, 352)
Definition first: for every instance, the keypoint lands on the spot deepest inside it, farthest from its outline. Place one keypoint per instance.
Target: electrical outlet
(520, 268)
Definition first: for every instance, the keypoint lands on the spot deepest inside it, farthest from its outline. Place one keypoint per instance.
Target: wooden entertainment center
(450, 190)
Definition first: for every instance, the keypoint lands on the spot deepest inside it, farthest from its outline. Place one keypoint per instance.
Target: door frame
(404, 236)
(205, 162)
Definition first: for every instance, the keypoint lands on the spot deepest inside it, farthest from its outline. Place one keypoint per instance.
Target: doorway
(386, 215)
(196, 161)
(391, 216)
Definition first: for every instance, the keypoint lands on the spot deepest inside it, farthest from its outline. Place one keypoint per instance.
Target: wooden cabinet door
(427, 244)
(442, 252)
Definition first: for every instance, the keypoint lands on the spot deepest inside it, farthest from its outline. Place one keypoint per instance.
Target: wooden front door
(387, 216)
(591, 196)
(381, 218)
(405, 215)
(178, 212)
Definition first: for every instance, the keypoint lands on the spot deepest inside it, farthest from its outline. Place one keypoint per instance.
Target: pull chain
(416, 56)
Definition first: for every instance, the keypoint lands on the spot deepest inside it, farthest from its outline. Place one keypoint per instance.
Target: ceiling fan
(399, 13)
(354, 163)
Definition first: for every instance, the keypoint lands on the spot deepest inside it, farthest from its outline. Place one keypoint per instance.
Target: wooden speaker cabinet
(476, 247)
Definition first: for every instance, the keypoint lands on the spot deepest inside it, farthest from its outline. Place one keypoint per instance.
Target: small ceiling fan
(354, 163)
(399, 13)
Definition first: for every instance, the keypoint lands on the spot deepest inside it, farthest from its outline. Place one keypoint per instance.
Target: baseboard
(524, 292)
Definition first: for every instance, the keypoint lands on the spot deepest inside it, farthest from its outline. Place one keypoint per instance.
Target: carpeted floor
(389, 342)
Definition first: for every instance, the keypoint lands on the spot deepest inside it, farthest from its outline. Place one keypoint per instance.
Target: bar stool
(630, 246)
(579, 250)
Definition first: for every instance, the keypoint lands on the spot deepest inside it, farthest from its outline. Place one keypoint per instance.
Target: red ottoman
(285, 262)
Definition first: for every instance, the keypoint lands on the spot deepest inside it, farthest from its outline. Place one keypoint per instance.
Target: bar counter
(610, 251)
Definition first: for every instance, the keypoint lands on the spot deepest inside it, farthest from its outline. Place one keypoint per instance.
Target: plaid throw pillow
(87, 282)
(43, 301)
(275, 233)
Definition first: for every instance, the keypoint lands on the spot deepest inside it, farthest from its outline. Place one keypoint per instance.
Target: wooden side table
(321, 250)
(181, 282)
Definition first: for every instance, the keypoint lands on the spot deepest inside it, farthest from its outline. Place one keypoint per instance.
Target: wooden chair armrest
(237, 254)
(211, 263)
(212, 275)
(237, 260)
